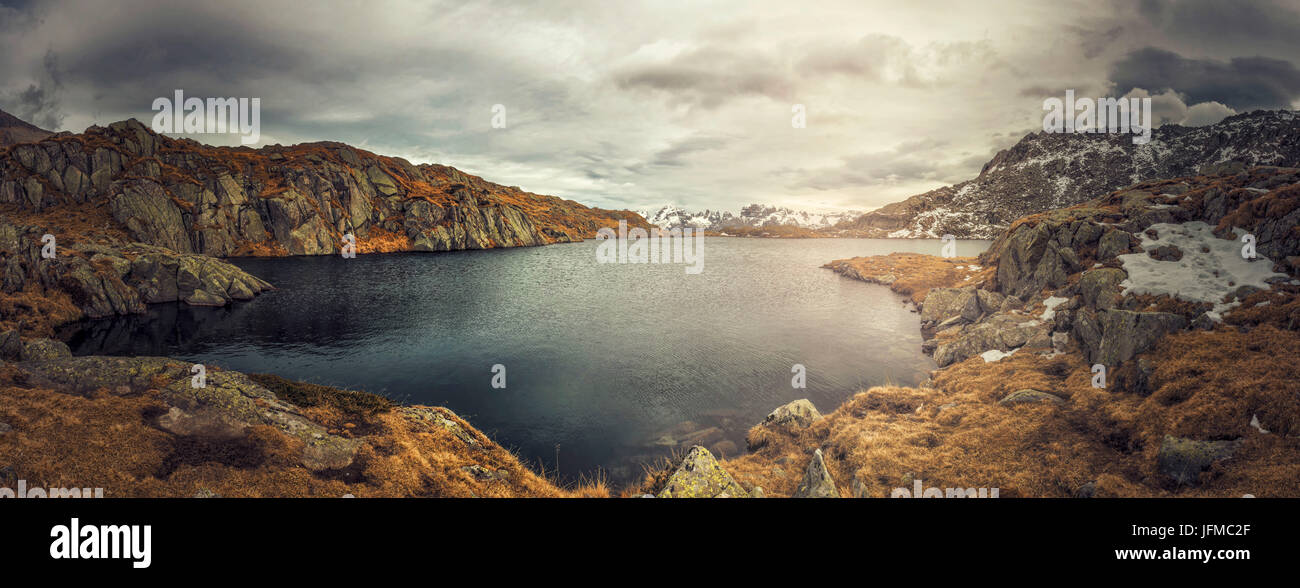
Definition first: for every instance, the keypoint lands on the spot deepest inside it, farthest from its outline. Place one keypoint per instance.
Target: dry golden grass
(1208, 385)
(109, 441)
(913, 274)
(377, 240)
(37, 311)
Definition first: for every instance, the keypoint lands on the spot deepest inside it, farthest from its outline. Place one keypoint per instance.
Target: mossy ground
(111, 440)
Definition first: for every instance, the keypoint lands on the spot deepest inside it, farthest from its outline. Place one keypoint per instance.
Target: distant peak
(16, 130)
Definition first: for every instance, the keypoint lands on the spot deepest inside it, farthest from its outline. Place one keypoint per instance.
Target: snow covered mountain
(754, 215)
(1046, 171)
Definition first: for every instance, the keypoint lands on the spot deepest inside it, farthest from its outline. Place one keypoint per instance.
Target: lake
(606, 366)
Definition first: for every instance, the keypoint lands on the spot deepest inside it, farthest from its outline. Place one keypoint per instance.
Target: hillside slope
(297, 200)
(1047, 171)
(1198, 394)
(15, 130)
(138, 427)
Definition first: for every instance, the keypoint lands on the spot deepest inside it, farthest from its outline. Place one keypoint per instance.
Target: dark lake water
(609, 362)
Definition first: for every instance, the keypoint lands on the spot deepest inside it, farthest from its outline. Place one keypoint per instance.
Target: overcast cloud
(635, 104)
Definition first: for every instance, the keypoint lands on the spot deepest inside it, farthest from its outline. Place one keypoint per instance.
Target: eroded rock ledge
(107, 277)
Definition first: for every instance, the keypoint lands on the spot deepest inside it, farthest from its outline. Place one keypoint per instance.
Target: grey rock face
(799, 413)
(1048, 171)
(277, 200)
(817, 482)
(1002, 332)
(700, 476)
(224, 408)
(1115, 336)
(107, 280)
(1100, 287)
(1035, 257)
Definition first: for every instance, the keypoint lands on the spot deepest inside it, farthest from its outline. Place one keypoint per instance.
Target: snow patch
(993, 355)
(1051, 303)
(1199, 276)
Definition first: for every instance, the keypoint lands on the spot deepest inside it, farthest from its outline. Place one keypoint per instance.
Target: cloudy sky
(631, 104)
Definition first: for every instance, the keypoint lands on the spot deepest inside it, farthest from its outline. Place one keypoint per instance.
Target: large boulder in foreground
(1114, 336)
(799, 413)
(1000, 332)
(944, 303)
(700, 476)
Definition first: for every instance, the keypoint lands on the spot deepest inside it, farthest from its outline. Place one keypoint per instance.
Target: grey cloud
(711, 76)
(890, 59)
(676, 154)
(1242, 83)
(1242, 27)
(39, 103)
(911, 161)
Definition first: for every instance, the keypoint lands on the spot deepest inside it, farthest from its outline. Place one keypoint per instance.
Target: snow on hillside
(754, 215)
(1210, 268)
(1048, 171)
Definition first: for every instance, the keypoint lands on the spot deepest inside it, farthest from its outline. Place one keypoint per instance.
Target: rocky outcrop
(700, 476)
(1000, 332)
(298, 200)
(223, 408)
(1058, 280)
(799, 413)
(1049, 171)
(106, 279)
(1114, 336)
(817, 482)
(14, 130)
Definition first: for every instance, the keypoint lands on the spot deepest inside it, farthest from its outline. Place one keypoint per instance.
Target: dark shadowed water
(610, 363)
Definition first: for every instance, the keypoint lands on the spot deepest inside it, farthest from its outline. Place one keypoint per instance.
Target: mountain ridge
(15, 130)
(278, 200)
(750, 216)
(1044, 171)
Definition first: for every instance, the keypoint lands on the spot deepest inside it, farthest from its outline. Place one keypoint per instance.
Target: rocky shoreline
(142, 218)
(1195, 395)
(141, 427)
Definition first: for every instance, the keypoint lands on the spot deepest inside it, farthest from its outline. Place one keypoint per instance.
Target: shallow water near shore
(607, 366)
